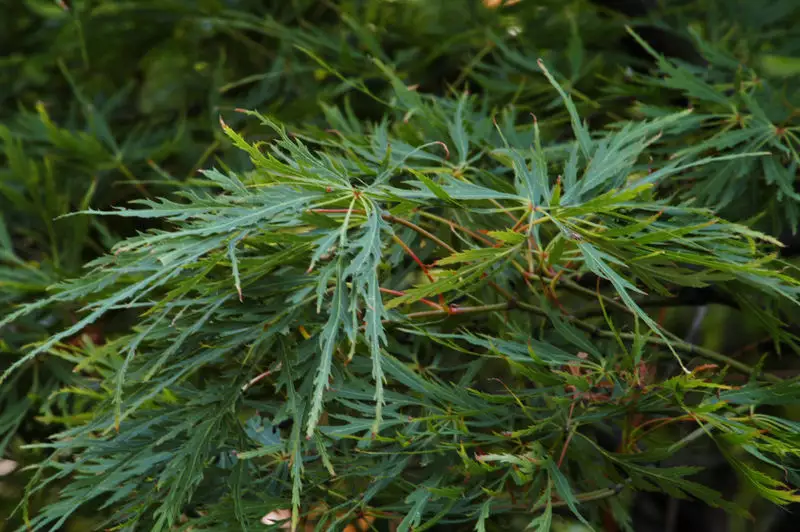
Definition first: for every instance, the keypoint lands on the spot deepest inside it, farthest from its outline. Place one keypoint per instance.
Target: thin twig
(401, 293)
(588, 496)
(453, 225)
(427, 234)
(684, 347)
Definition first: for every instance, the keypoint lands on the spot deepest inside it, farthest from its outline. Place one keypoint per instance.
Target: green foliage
(390, 292)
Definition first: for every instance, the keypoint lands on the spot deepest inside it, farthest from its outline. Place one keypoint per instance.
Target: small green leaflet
(565, 491)
(419, 498)
(363, 269)
(578, 127)
(543, 522)
(328, 340)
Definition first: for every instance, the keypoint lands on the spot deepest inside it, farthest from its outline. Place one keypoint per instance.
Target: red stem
(423, 300)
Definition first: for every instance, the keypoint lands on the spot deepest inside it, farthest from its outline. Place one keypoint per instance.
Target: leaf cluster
(390, 296)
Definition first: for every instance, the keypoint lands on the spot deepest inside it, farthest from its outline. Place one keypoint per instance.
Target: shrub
(417, 304)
